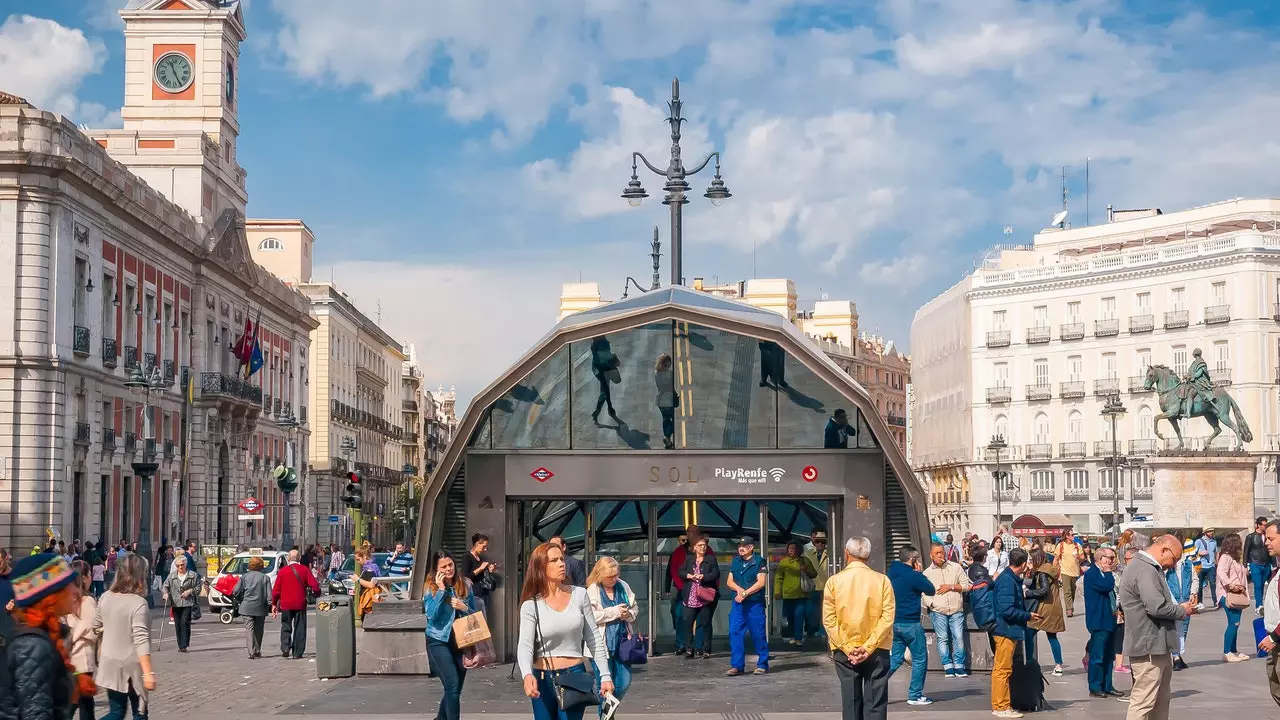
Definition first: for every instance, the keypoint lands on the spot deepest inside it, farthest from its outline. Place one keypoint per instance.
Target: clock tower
(181, 124)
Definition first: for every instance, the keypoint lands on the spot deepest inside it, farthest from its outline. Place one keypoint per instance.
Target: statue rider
(1196, 382)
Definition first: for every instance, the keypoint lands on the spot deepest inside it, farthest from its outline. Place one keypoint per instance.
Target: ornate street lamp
(145, 469)
(1115, 410)
(287, 480)
(997, 446)
(676, 186)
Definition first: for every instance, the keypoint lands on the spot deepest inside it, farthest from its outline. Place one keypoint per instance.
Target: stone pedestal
(1198, 490)
(392, 640)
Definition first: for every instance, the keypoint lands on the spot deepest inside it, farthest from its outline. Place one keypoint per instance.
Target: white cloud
(46, 62)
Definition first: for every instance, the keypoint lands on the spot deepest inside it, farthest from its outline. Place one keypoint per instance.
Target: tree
(404, 513)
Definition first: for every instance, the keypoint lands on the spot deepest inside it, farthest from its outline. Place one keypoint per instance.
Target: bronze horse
(1166, 383)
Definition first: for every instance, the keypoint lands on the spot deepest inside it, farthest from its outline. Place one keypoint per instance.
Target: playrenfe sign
(752, 476)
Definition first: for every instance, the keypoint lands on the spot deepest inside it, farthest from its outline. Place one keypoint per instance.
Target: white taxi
(272, 561)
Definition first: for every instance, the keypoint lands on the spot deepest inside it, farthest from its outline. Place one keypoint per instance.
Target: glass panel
(481, 438)
(622, 533)
(673, 517)
(795, 522)
(725, 521)
(806, 403)
(616, 383)
(546, 519)
(533, 414)
(727, 396)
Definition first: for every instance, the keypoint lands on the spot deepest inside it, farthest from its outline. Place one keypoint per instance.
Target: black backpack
(1027, 684)
(11, 630)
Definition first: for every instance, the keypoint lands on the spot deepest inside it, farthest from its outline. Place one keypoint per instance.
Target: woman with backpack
(37, 660)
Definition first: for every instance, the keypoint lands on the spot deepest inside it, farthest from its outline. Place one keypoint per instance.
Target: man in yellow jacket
(857, 613)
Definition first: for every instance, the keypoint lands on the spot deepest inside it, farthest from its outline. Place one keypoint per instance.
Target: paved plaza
(215, 681)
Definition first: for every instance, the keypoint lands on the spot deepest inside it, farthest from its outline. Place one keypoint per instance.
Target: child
(99, 577)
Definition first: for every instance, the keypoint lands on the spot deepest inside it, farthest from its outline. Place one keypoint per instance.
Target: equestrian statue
(1196, 396)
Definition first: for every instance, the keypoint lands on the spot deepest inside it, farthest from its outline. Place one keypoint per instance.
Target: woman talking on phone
(556, 623)
(447, 596)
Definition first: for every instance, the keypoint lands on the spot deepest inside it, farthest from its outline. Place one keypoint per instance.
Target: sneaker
(1235, 657)
(760, 671)
(1095, 695)
(922, 700)
(1200, 606)
(950, 673)
(1057, 670)
(1121, 696)
(962, 673)
(170, 621)
(1006, 713)
(733, 672)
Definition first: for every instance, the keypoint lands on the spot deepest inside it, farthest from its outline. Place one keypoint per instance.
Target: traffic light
(353, 495)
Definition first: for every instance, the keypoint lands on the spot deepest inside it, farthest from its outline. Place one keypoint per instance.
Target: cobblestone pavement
(215, 681)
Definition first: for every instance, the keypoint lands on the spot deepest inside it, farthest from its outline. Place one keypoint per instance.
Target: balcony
(108, 440)
(377, 472)
(1221, 376)
(999, 394)
(1040, 392)
(1071, 450)
(409, 438)
(1044, 494)
(277, 407)
(288, 409)
(169, 450)
(1040, 451)
(266, 403)
(1175, 319)
(1106, 328)
(370, 376)
(1138, 384)
(130, 357)
(302, 414)
(1106, 386)
(1076, 494)
(83, 434)
(184, 376)
(167, 371)
(1071, 331)
(1275, 313)
(148, 363)
(1107, 493)
(897, 421)
(1142, 493)
(238, 396)
(1105, 448)
(109, 352)
(1005, 495)
(1142, 323)
(1038, 335)
(409, 405)
(1142, 447)
(81, 338)
(130, 443)
(998, 339)
(1072, 389)
(1217, 314)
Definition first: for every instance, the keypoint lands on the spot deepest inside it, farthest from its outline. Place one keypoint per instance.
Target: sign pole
(356, 539)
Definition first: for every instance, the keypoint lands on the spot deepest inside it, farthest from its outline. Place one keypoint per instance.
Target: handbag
(470, 629)
(1237, 601)
(574, 691)
(806, 580)
(634, 648)
(706, 595)
(479, 655)
(307, 595)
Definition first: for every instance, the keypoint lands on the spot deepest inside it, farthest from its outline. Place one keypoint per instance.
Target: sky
(460, 160)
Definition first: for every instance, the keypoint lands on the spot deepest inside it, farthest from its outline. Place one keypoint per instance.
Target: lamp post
(676, 186)
(1115, 410)
(287, 481)
(146, 389)
(998, 445)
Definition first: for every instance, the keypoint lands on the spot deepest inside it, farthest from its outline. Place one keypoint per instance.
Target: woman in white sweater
(556, 625)
(615, 609)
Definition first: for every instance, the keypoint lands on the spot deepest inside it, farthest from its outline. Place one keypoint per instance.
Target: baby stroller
(226, 585)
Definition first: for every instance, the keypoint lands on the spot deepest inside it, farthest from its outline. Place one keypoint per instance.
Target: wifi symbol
(777, 474)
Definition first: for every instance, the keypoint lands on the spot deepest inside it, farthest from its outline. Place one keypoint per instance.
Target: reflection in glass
(481, 438)
(806, 410)
(725, 405)
(616, 389)
(534, 413)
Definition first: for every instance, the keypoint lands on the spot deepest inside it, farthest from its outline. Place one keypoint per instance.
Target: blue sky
(460, 160)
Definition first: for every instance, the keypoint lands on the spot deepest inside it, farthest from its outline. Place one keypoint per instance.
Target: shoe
(1093, 694)
(733, 672)
(1122, 669)
(1057, 670)
(1121, 696)
(1179, 664)
(705, 656)
(760, 671)
(922, 700)
(951, 673)
(171, 621)
(691, 656)
(1235, 657)
(962, 673)
(1006, 713)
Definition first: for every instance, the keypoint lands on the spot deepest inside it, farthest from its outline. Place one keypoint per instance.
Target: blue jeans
(1233, 628)
(119, 704)
(545, 706)
(910, 636)
(1102, 660)
(1208, 579)
(795, 611)
(446, 664)
(1259, 574)
(621, 673)
(1055, 647)
(745, 619)
(949, 631)
(813, 619)
(677, 621)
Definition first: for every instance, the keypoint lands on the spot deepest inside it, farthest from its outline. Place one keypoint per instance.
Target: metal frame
(567, 331)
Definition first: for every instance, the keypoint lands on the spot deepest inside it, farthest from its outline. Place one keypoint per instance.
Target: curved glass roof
(675, 297)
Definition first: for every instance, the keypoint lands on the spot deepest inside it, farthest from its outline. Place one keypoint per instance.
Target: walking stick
(163, 615)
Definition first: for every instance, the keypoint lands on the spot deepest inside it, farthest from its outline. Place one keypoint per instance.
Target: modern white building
(1032, 344)
(126, 249)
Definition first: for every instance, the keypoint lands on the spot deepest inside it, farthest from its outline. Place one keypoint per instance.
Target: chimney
(1111, 213)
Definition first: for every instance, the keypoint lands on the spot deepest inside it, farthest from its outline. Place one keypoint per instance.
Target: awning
(1041, 525)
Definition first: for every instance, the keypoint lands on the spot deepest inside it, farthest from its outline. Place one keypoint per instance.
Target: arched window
(1075, 427)
(1146, 423)
(1042, 428)
(271, 245)
(1002, 428)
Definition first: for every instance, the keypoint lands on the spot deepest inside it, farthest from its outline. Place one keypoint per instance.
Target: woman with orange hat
(39, 662)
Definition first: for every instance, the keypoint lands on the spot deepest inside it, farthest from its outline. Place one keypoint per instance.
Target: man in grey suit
(1151, 620)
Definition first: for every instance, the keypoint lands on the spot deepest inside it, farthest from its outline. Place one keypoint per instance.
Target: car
(272, 560)
(342, 583)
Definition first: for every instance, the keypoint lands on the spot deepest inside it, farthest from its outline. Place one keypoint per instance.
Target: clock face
(231, 82)
(173, 72)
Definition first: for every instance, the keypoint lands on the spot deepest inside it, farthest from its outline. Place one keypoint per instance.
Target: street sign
(257, 516)
(250, 506)
(335, 519)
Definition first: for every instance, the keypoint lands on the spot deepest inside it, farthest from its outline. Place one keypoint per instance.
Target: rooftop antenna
(656, 255)
(1086, 191)
(378, 303)
(1064, 198)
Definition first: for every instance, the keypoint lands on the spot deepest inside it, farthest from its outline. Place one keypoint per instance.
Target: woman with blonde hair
(556, 625)
(615, 609)
(253, 598)
(124, 651)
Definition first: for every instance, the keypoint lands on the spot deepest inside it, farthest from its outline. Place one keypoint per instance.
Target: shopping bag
(470, 629)
(479, 655)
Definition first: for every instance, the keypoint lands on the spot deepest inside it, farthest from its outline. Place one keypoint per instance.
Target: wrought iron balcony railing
(1040, 392)
(1217, 314)
(1175, 319)
(1105, 448)
(1071, 389)
(1071, 331)
(108, 439)
(84, 433)
(895, 420)
(1138, 384)
(1040, 451)
(1071, 450)
(148, 363)
(998, 339)
(1106, 328)
(109, 352)
(169, 449)
(999, 394)
(1142, 323)
(1221, 376)
(1038, 335)
(130, 443)
(130, 357)
(1106, 386)
(1144, 446)
(81, 339)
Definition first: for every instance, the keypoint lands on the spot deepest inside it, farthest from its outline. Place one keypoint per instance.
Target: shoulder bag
(309, 596)
(574, 691)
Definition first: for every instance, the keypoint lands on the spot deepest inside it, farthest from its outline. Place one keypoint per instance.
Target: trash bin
(335, 637)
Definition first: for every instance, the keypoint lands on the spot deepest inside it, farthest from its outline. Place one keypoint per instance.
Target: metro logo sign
(542, 474)
(250, 505)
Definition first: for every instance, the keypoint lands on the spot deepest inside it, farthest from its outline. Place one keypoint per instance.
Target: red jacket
(290, 590)
(674, 563)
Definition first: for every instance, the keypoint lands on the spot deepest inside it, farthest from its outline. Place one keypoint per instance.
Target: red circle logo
(809, 473)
